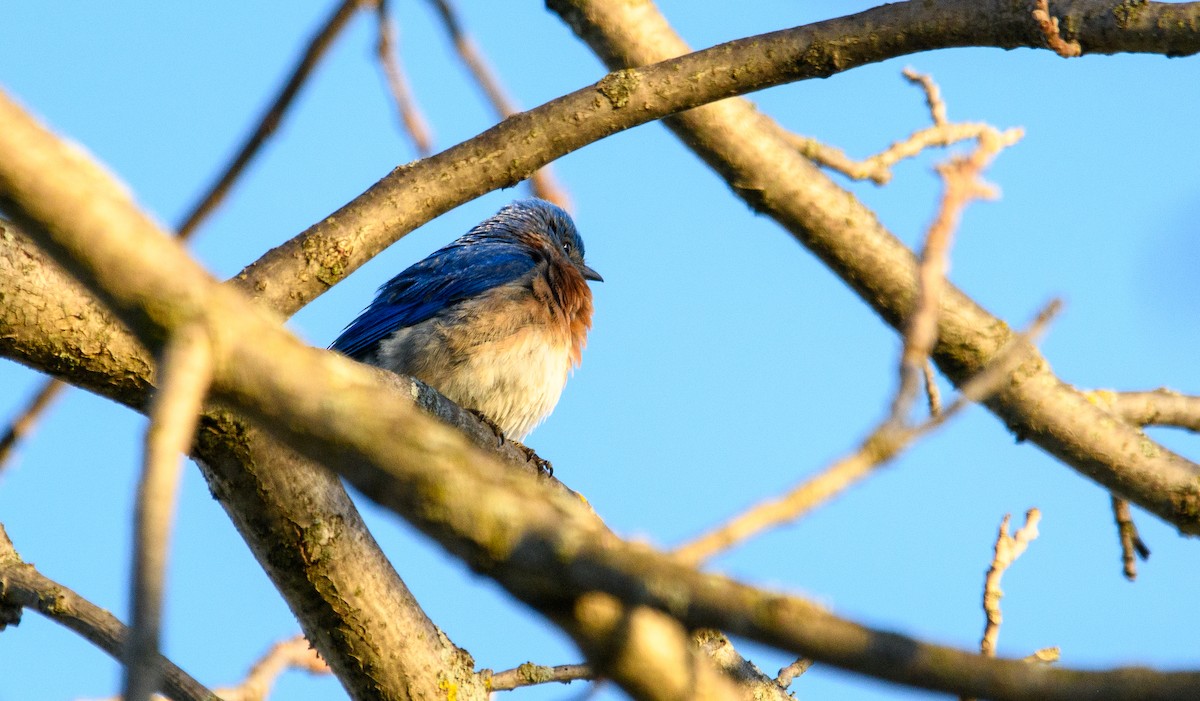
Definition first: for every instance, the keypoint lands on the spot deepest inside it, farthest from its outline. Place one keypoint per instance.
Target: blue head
(527, 221)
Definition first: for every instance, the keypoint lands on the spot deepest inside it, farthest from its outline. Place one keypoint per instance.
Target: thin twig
(530, 674)
(294, 653)
(877, 168)
(22, 586)
(1008, 549)
(391, 452)
(887, 440)
(185, 372)
(25, 421)
(1049, 27)
(789, 673)
(932, 393)
(1132, 545)
(216, 192)
(411, 117)
(962, 184)
(269, 122)
(542, 183)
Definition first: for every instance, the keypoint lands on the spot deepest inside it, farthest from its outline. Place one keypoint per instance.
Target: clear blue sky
(725, 364)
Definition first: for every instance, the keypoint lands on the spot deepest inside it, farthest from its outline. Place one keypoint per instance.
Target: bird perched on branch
(495, 320)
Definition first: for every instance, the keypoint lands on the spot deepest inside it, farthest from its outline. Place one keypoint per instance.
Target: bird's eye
(567, 247)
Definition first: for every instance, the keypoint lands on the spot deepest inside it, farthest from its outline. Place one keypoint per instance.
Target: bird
(495, 321)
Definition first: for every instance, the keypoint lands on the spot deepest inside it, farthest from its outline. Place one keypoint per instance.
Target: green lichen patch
(616, 87)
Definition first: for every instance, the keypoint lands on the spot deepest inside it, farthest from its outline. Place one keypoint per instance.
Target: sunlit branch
(530, 674)
(1132, 545)
(411, 118)
(24, 422)
(22, 586)
(294, 653)
(184, 377)
(1008, 548)
(1054, 38)
(882, 445)
(1159, 407)
(542, 182)
(751, 153)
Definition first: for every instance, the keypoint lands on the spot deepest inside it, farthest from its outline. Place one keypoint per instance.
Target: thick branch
(545, 547)
(284, 506)
(295, 516)
(753, 155)
(293, 274)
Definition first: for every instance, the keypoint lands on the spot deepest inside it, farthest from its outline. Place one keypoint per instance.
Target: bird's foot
(490, 424)
(544, 467)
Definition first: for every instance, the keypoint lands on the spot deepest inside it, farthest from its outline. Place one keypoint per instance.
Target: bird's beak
(589, 274)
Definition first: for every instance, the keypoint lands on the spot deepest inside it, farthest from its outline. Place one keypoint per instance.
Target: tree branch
(294, 653)
(1159, 407)
(530, 674)
(1006, 551)
(24, 422)
(269, 122)
(295, 516)
(545, 547)
(542, 182)
(187, 372)
(22, 586)
(411, 119)
(297, 272)
(752, 154)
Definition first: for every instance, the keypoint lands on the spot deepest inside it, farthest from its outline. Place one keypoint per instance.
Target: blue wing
(469, 266)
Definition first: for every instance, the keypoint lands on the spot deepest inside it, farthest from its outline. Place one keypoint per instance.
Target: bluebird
(495, 321)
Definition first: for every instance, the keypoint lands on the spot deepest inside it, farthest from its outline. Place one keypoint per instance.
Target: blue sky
(726, 363)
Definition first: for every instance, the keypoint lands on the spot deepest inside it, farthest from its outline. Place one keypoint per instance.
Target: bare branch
(878, 168)
(411, 118)
(751, 153)
(269, 122)
(542, 181)
(886, 441)
(933, 96)
(295, 273)
(295, 653)
(1160, 407)
(185, 378)
(788, 674)
(22, 586)
(530, 674)
(1049, 26)
(1047, 655)
(647, 652)
(961, 177)
(24, 422)
(1132, 545)
(1008, 549)
(545, 547)
(932, 393)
